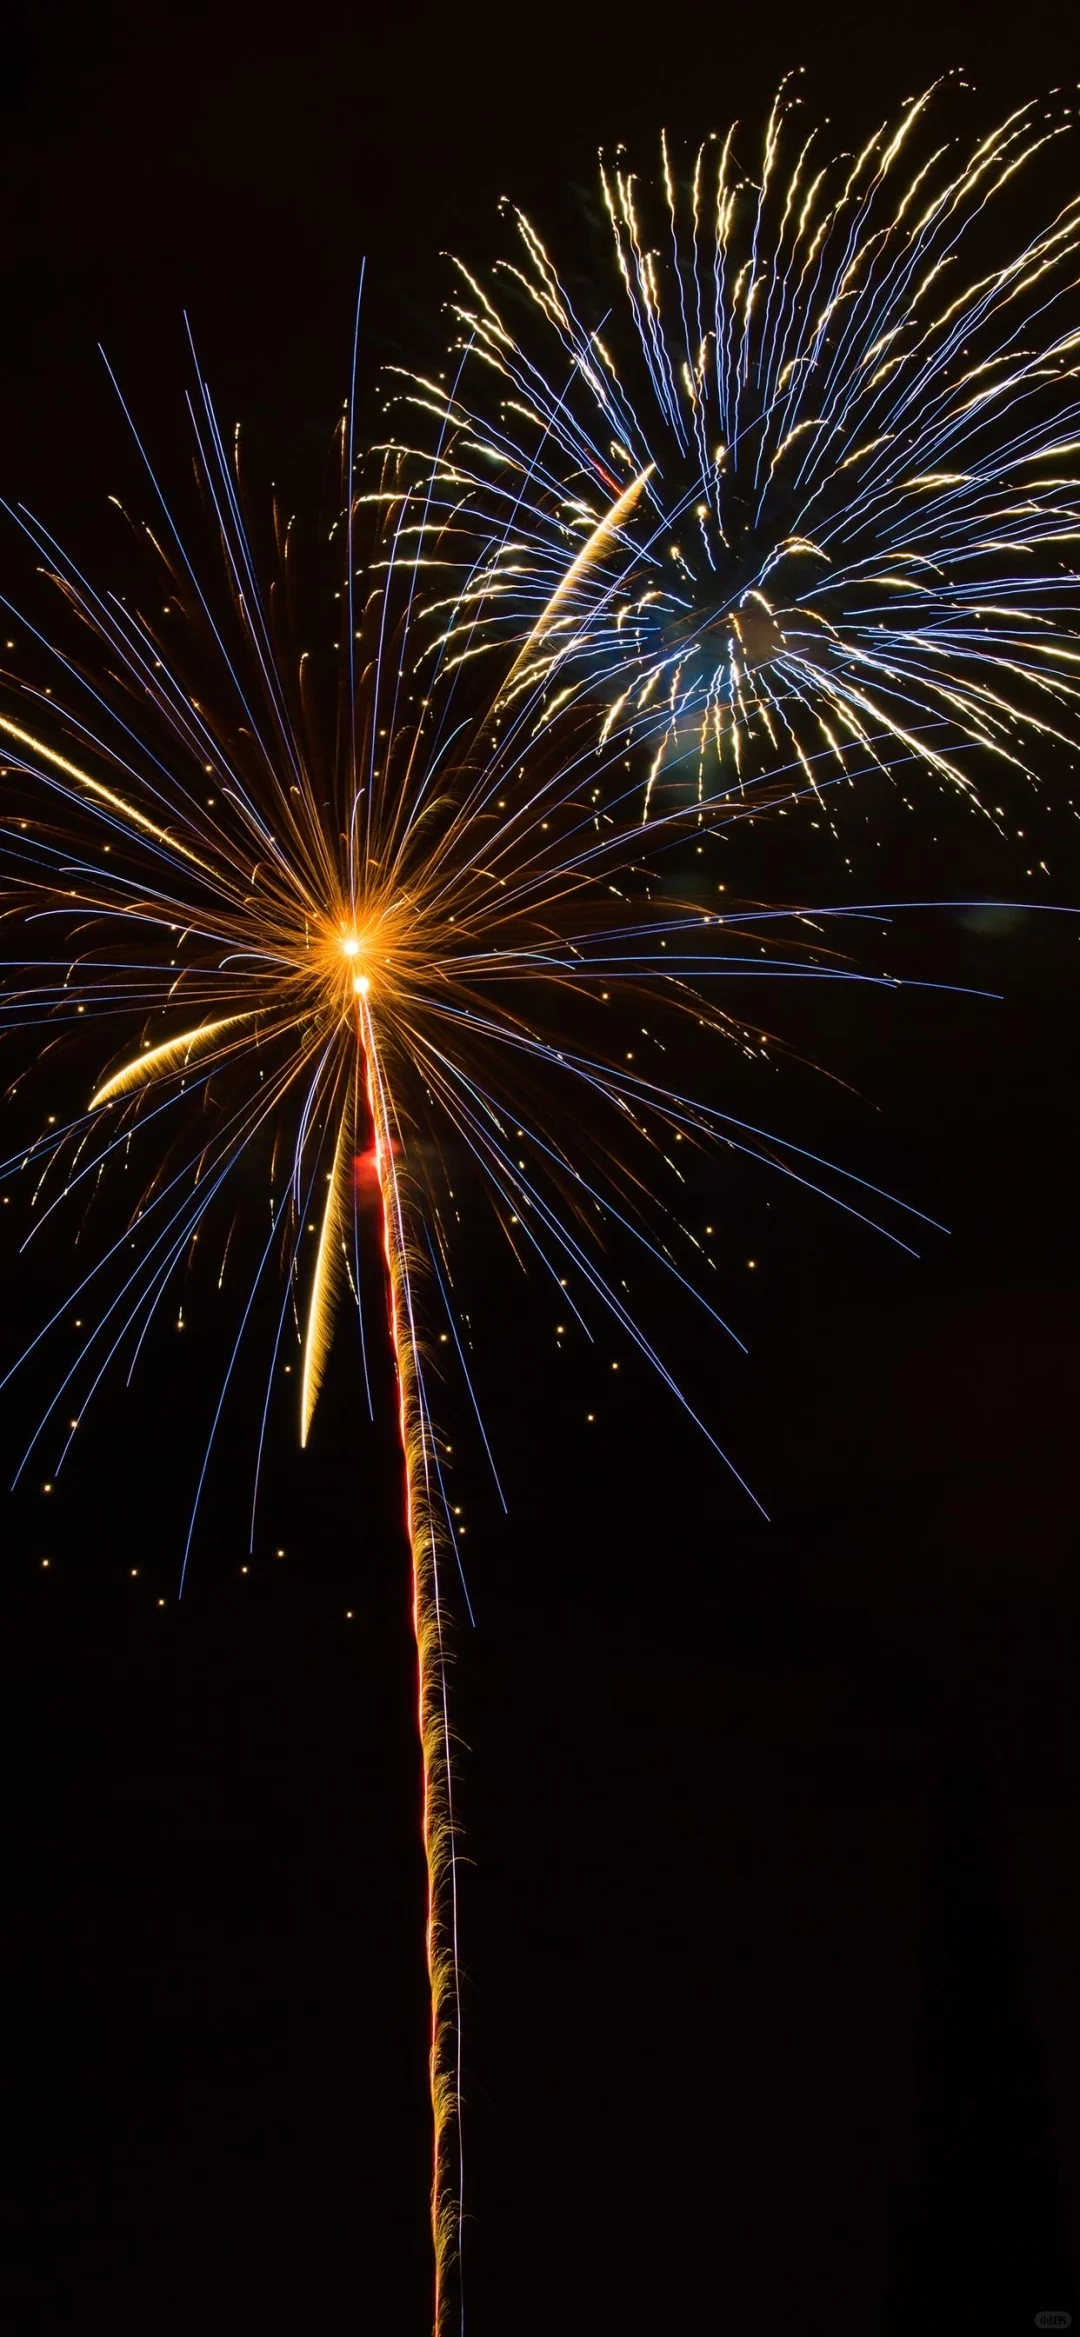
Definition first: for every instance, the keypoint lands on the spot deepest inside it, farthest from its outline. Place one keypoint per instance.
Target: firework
(790, 485)
(228, 884)
(414, 909)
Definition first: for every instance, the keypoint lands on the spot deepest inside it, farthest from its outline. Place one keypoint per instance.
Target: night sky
(772, 1917)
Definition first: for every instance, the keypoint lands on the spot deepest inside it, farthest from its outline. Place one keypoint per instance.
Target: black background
(772, 1923)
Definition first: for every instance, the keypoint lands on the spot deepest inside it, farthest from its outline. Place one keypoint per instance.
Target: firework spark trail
(422, 1526)
(354, 1152)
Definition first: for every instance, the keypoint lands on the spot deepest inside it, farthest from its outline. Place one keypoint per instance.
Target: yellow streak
(163, 1058)
(94, 787)
(605, 528)
(320, 1322)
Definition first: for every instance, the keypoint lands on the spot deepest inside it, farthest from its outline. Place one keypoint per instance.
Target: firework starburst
(363, 949)
(792, 481)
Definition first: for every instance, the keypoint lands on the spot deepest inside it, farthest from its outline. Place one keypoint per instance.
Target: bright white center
(351, 947)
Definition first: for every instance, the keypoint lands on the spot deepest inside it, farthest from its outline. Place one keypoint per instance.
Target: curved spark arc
(322, 1304)
(171, 1055)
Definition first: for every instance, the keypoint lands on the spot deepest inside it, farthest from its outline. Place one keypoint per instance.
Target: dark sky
(773, 1918)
